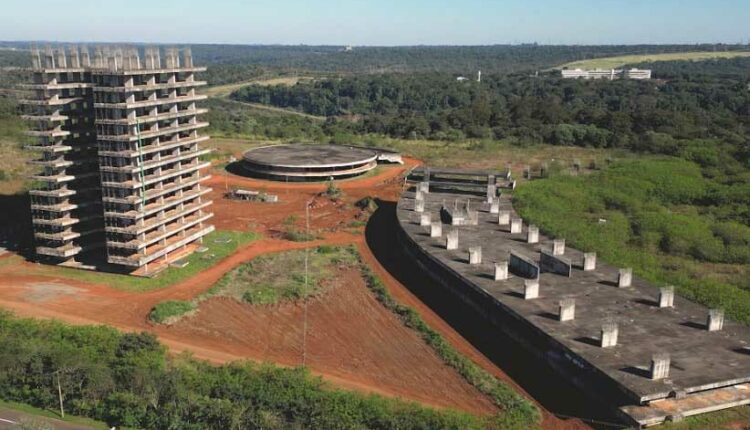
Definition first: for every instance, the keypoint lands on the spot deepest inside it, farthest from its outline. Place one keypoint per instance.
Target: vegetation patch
(170, 311)
(295, 234)
(517, 411)
(127, 380)
(219, 244)
(674, 221)
(284, 276)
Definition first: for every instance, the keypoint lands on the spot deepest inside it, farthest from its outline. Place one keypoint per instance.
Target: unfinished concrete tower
(121, 166)
(66, 198)
(147, 132)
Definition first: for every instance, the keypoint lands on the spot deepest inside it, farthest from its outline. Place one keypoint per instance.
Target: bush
(169, 311)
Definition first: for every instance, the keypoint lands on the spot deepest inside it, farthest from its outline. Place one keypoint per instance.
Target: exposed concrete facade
(141, 144)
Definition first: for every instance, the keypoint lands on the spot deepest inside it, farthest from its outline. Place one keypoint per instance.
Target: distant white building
(462, 78)
(610, 74)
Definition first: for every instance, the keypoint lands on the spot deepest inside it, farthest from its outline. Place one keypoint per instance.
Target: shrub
(171, 310)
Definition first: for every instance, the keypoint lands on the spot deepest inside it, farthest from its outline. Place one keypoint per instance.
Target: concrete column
(530, 289)
(424, 187)
(527, 172)
(472, 217)
(532, 234)
(501, 270)
(436, 229)
(516, 225)
(491, 193)
(558, 247)
(625, 277)
(609, 334)
(418, 195)
(475, 255)
(589, 261)
(666, 297)
(513, 185)
(451, 240)
(660, 366)
(503, 217)
(425, 219)
(419, 206)
(715, 320)
(495, 206)
(567, 310)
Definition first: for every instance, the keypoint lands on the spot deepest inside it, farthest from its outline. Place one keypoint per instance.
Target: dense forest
(708, 114)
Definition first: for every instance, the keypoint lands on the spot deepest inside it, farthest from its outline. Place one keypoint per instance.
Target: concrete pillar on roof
(660, 366)
(666, 297)
(425, 219)
(532, 234)
(451, 240)
(558, 247)
(475, 255)
(516, 225)
(495, 206)
(609, 334)
(501, 270)
(491, 192)
(567, 310)
(625, 277)
(503, 217)
(530, 289)
(419, 205)
(436, 229)
(589, 261)
(715, 320)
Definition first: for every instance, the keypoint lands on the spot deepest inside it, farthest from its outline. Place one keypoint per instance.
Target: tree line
(653, 116)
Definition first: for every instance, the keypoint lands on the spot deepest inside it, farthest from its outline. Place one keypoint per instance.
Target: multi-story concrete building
(609, 74)
(122, 167)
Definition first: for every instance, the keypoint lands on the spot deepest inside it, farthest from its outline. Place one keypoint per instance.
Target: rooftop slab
(700, 360)
(300, 155)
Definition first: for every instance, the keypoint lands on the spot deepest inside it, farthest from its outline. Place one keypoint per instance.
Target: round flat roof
(303, 155)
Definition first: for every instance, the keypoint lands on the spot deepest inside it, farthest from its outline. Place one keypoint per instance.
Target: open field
(619, 61)
(225, 90)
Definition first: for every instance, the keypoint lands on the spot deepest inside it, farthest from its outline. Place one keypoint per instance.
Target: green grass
(517, 411)
(220, 244)
(619, 61)
(279, 277)
(170, 311)
(31, 410)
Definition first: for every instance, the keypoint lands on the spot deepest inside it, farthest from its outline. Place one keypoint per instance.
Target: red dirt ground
(352, 341)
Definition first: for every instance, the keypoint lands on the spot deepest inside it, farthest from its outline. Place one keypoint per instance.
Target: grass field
(219, 243)
(614, 62)
(225, 90)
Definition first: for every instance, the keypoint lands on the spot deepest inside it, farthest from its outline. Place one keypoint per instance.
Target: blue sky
(378, 22)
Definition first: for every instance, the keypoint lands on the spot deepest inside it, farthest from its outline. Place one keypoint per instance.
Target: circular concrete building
(308, 162)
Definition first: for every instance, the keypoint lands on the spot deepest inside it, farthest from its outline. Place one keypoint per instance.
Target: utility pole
(59, 395)
(307, 250)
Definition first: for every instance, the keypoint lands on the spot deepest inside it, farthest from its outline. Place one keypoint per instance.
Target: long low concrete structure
(602, 328)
